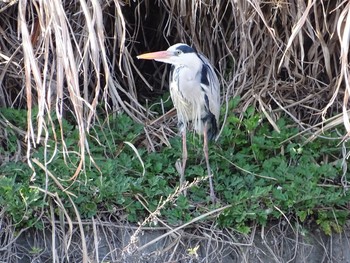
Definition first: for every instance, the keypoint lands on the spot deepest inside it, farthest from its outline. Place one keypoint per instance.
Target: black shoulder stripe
(206, 102)
(204, 77)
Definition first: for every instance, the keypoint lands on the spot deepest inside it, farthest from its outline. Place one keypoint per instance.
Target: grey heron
(195, 92)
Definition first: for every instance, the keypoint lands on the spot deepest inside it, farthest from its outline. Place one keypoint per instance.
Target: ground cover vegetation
(264, 174)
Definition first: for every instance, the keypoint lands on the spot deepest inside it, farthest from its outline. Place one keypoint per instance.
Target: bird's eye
(177, 52)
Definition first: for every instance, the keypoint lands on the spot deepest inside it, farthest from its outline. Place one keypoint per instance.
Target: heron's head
(178, 54)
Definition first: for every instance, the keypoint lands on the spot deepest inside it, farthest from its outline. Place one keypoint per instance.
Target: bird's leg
(184, 160)
(206, 154)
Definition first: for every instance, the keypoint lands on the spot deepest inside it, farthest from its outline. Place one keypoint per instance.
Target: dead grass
(279, 56)
(66, 58)
(106, 237)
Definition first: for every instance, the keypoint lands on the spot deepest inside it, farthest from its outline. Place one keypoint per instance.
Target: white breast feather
(188, 98)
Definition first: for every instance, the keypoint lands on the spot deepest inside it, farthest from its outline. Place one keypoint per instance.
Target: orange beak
(156, 55)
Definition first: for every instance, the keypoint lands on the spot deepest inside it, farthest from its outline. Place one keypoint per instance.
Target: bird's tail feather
(212, 126)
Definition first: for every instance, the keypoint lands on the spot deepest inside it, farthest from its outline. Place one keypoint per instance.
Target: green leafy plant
(262, 173)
